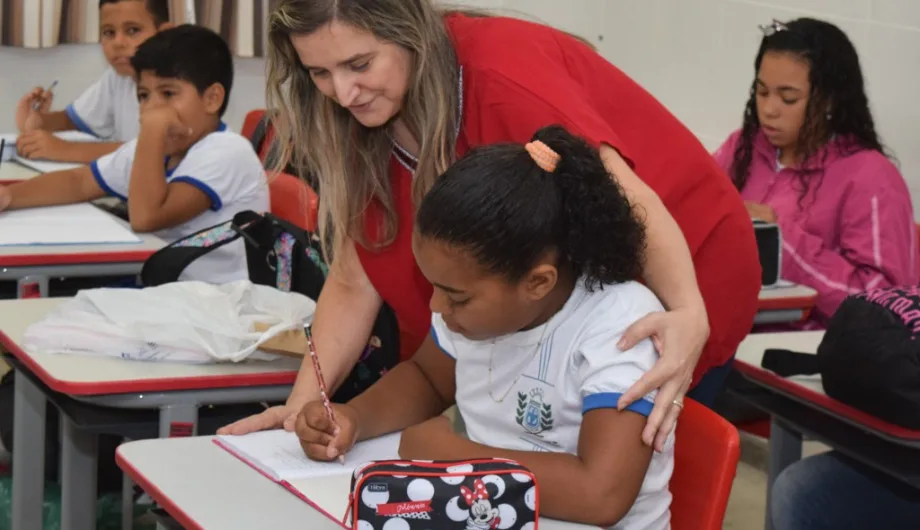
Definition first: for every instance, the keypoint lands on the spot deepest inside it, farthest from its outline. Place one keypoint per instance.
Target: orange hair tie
(543, 155)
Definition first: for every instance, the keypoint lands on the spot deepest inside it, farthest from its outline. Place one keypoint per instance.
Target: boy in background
(184, 172)
(108, 108)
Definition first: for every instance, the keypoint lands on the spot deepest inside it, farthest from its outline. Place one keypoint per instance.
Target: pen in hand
(38, 102)
(322, 383)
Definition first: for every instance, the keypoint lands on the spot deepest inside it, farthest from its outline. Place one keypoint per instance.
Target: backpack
(289, 258)
(869, 357)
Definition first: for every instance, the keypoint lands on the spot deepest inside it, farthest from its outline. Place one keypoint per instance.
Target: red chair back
(293, 200)
(705, 459)
(251, 122)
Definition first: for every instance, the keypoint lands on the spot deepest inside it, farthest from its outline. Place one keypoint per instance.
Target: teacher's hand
(278, 417)
(679, 336)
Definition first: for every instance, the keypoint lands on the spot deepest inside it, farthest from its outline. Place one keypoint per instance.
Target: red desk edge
(132, 386)
(184, 519)
(830, 404)
(75, 258)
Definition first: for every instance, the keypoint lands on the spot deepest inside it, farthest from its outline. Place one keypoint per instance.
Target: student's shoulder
(232, 148)
(615, 307)
(868, 170)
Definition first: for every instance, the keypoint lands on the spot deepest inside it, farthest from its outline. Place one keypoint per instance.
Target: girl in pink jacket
(808, 158)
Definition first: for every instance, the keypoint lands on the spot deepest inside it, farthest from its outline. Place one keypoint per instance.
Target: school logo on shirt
(533, 414)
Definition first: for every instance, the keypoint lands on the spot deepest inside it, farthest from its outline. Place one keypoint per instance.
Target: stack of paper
(75, 224)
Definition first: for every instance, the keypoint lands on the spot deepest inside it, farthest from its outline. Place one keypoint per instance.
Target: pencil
(38, 102)
(321, 381)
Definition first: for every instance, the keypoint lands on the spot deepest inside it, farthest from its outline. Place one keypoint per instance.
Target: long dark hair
(837, 104)
(499, 205)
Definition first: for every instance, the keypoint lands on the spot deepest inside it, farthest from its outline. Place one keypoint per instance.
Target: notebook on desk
(324, 485)
(46, 166)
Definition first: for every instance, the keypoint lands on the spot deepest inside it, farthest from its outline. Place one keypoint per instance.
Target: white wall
(696, 56)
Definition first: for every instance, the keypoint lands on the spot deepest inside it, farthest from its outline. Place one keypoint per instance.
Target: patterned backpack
(288, 258)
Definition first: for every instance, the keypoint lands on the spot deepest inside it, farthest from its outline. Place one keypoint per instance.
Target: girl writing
(532, 251)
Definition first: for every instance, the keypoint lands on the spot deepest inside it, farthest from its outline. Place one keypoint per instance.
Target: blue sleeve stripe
(216, 203)
(94, 167)
(78, 121)
(434, 335)
(608, 400)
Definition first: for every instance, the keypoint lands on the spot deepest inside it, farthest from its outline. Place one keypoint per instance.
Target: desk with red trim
(798, 406)
(31, 266)
(175, 390)
(785, 304)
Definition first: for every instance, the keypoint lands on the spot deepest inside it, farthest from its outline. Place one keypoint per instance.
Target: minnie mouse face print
(482, 515)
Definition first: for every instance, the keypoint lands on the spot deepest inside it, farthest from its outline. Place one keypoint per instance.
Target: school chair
(705, 459)
(251, 121)
(294, 201)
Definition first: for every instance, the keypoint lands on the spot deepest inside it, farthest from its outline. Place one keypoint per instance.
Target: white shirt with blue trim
(224, 167)
(551, 383)
(108, 109)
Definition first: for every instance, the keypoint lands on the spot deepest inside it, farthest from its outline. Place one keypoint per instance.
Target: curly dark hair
(507, 212)
(837, 104)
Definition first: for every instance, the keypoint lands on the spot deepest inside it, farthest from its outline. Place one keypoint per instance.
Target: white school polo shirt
(108, 109)
(551, 375)
(224, 167)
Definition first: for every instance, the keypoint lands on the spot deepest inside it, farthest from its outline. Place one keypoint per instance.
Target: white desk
(35, 264)
(177, 390)
(204, 487)
(11, 172)
(784, 305)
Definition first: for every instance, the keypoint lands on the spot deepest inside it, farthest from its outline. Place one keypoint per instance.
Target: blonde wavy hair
(319, 137)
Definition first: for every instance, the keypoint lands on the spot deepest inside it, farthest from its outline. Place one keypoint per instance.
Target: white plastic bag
(192, 322)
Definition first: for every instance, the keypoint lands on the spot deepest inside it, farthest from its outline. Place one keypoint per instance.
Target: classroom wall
(696, 56)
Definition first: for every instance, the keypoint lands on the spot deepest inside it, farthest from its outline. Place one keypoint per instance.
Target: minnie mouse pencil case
(484, 494)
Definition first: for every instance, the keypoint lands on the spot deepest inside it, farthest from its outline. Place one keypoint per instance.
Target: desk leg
(178, 420)
(127, 500)
(79, 453)
(34, 286)
(785, 449)
(28, 454)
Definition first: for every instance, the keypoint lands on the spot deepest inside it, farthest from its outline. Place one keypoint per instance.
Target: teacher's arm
(345, 313)
(680, 333)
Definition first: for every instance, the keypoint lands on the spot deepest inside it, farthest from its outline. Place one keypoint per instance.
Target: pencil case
(484, 494)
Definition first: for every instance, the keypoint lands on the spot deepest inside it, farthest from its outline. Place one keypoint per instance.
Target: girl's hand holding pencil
(322, 438)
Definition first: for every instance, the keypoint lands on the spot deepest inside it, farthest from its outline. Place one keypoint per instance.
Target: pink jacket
(852, 232)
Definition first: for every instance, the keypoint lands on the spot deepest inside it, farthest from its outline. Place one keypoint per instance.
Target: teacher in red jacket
(379, 97)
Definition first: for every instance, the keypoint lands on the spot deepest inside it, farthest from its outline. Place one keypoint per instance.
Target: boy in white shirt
(185, 171)
(108, 108)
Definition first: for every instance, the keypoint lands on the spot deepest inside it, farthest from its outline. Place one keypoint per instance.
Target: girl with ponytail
(533, 251)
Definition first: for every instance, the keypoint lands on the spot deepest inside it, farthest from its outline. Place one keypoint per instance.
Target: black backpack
(289, 258)
(869, 357)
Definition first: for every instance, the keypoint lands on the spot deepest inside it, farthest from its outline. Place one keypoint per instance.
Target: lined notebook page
(278, 454)
(74, 224)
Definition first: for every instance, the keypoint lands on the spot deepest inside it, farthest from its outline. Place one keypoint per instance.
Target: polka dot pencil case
(486, 494)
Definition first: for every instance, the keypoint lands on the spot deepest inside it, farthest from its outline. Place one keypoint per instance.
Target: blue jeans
(827, 491)
(711, 384)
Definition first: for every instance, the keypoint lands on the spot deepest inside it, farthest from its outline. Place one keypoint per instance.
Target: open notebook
(75, 224)
(324, 485)
(45, 166)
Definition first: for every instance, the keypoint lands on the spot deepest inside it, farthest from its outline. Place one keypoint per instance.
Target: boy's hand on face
(28, 118)
(42, 144)
(164, 121)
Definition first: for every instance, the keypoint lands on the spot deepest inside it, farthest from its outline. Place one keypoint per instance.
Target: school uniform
(517, 77)
(108, 109)
(853, 231)
(226, 169)
(542, 381)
